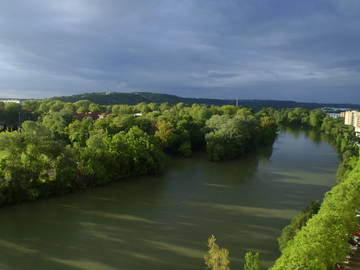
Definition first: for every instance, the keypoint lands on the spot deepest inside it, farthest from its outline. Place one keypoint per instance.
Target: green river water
(163, 222)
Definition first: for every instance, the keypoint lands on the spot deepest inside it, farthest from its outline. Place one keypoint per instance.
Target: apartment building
(352, 118)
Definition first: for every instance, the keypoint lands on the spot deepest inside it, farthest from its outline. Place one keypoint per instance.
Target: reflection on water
(163, 222)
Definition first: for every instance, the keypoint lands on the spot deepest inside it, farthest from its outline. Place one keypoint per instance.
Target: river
(163, 222)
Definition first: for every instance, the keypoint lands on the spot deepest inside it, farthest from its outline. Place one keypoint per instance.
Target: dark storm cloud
(302, 50)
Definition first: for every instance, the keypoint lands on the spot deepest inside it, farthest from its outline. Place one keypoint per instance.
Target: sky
(306, 50)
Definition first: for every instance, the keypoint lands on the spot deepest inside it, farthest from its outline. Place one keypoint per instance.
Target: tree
(30, 163)
(297, 223)
(164, 106)
(217, 258)
(57, 106)
(79, 130)
(96, 162)
(164, 132)
(94, 108)
(56, 122)
(122, 109)
(316, 117)
(252, 261)
(228, 109)
(268, 129)
(69, 107)
(230, 136)
(146, 156)
(142, 107)
(82, 106)
(173, 132)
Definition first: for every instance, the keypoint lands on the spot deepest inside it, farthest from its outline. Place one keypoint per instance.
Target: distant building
(10, 100)
(333, 115)
(352, 118)
(334, 109)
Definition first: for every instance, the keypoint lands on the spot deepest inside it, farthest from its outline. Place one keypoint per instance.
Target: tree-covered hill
(112, 98)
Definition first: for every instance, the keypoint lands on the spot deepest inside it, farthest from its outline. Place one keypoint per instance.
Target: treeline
(113, 98)
(78, 145)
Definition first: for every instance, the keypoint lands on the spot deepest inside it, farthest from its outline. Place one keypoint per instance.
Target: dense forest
(77, 145)
(61, 147)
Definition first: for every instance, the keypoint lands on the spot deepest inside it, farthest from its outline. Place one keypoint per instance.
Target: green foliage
(12, 107)
(322, 242)
(56, 122)
(217, 258)
(178, 132)
(229, 137)
(316, 117)
(95, 108)
(267, 129)
(185, 149)
(297, 223)
(122, 109)
(30, 162)
(79, 130)
(252, 261)
(82, 106)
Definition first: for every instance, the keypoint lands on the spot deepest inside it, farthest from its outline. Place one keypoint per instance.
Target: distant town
(352, 118)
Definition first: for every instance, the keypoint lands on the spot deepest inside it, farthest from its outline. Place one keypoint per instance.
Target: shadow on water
(163, 222)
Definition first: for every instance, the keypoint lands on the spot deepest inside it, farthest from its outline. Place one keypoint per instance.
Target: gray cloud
(304, 50)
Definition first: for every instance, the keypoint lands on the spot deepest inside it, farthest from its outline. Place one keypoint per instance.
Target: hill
(111, 98)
